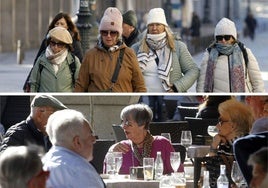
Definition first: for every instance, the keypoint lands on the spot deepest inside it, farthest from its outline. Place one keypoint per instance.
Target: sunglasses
(58, 44)
(106, 33)
(225, 37)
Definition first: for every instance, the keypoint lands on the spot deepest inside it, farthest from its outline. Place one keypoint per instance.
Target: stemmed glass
(118, 159)
(237, 175)
(212, 130)
(175, 160)
(186, 139)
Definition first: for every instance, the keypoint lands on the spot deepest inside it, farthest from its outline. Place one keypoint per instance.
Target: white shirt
(69, 170)
(151, 78)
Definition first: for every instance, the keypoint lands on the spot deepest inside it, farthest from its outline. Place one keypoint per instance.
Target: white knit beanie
(157, 15)
(112, 20)
(225, 27)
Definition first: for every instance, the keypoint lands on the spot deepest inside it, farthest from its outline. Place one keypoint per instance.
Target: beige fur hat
(61, 34)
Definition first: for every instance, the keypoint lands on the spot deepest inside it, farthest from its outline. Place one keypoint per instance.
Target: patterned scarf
(147, 148)
(236, 68)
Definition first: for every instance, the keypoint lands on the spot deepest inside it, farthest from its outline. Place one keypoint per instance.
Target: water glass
(237, 175)
(212, 130)
(110, 164)
(165, 182)
(148, 168)
(178, 180)
(118, 160)
(175, 160)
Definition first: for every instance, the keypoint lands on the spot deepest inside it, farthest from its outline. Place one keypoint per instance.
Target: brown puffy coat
(98, 67)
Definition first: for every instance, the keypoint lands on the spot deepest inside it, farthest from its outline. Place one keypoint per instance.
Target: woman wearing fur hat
(57, 69)
(228, 66)
(165, 61)
(60, 20)
(98, 70)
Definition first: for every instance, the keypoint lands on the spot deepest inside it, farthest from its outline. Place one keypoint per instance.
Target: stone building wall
(27, 20)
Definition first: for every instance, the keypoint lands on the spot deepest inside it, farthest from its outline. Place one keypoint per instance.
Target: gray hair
(260, 157)
(141, 113)
(260, 125)
(64, 125)
(18, 164)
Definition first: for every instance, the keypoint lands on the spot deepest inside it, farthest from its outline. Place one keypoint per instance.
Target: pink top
(160, 143)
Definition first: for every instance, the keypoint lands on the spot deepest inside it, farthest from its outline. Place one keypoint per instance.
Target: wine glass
(118, 159)
(237, 175)
(175, 160)
(186, 139)
(212, 130)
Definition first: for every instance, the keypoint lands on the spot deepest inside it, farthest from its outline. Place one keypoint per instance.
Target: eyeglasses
(220, 121)
(125, 123)
(225, 37)
(58, 44)
(111, 33)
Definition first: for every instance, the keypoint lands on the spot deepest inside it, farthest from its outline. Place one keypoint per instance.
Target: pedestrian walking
(57, 68)
(227, 65)
(110, 66)
(165, 61)
(131, 32)
(195, 25)
(60, 20)
(251, 24)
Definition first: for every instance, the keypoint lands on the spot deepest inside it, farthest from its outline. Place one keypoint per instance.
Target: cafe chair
(190, 104)
(174, 128)
(101, 147)
(187, 111)
(119, 133)
(198, 127)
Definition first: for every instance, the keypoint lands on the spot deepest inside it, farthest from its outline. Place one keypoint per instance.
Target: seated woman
(235, 121)
(209, 108)
(135, 122)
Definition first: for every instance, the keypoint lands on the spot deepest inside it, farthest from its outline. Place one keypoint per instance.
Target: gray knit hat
(47, 100)
(130, 18)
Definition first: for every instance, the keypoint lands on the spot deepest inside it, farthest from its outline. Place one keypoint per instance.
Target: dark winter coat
(23, 133)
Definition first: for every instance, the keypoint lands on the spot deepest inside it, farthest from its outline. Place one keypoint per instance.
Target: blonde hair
(239, 113)
(170, 41)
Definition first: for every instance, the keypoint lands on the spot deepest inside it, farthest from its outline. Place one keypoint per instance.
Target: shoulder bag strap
(118, 66)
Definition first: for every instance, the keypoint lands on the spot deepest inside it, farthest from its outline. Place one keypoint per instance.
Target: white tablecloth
(124, 182)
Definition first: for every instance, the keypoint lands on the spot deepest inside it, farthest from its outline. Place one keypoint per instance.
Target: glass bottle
(159, 166)
(222, 181)
(206, 179)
